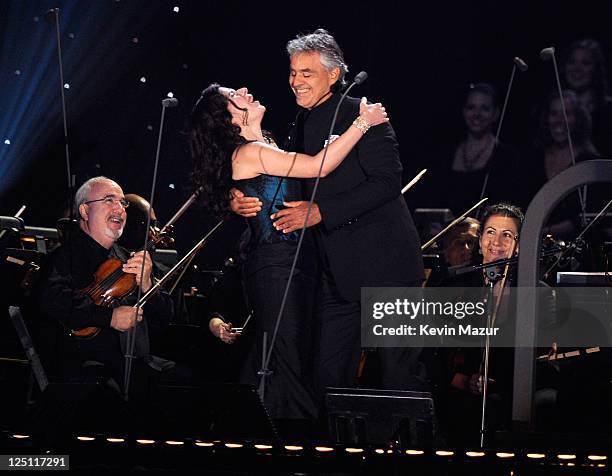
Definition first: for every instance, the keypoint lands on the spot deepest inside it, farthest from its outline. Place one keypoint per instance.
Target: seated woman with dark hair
(229, 148)
(460, 389)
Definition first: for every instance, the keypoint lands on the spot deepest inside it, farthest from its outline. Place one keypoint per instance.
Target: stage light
(536, 455)
(170, 94)
(174, 443)
(474, 454)
(66, 86)
(175, 9)
(149, 127)
(115, 440)
(502, 454)
(597, 457)
(601, 465)
(17, 72)
(234, 445)
(7, 141)
(353, 450)
(205, 444)
(143, 79)
(264, 447)
(145, 442)
(20, 437)
(445, 453)
(379, 451)
(86, 438)
(294, 448)
(325, 449)
(566, 456)
(414, 452)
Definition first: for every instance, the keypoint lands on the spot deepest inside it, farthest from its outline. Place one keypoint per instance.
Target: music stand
(358, 416)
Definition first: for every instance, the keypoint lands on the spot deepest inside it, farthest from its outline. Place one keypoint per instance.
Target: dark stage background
(420, 58)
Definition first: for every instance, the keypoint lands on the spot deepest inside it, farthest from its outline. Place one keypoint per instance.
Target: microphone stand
(267, 349)
(578, 243)
(522, 67)
(459, 270)
(549, 53)
(494, 276)
(52, 16)
(131, 336)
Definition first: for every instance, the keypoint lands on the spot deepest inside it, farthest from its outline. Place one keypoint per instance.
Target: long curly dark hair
(212, 141)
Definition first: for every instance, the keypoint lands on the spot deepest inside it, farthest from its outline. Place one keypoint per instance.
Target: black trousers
(288, 389)
(338, 347)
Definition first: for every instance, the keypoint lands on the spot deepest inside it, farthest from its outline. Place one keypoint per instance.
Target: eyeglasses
(110, 201)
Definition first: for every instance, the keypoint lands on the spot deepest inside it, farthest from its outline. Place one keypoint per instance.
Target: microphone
(547, 54)
(522, 66)
(51, 15)
(360, 78)
(494, 273)
(170, 102)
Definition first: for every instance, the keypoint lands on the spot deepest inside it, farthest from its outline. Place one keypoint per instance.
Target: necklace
(472, 162)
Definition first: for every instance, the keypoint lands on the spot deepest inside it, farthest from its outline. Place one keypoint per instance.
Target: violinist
(101, 209)
(458, 249)
(460, 389)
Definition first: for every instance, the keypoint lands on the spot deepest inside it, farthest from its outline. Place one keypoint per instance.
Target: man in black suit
(362, 226)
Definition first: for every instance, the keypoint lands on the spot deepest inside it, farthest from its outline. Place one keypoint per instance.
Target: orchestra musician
(101, 208)
(459, 392)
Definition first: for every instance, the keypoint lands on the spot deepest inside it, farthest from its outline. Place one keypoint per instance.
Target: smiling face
(579, 69)
(310, 81)
(479, 113)
(556, 122)
(240, 102)
(103, 220)
(499, 235)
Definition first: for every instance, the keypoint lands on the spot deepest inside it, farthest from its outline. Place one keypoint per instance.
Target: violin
(109, 287)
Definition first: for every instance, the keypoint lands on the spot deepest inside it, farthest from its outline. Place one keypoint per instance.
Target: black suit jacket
(367, 233)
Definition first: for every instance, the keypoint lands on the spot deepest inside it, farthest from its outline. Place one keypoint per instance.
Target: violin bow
(452, 224)
(417, 177)
(188, 257)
